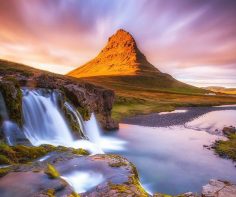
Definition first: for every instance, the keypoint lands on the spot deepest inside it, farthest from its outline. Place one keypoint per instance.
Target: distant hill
(121, 63)
(221, 89)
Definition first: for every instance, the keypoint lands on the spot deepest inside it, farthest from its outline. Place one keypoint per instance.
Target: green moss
(80, 151)
(4, 160)
(162, 195)
(117, 164)
(73, 194)
(27, 153)
(121, 188)
(226, 148)
(50, 193)
(22, 154)
(52, 172)
(12, 95)
(84, 112)
(4, 171)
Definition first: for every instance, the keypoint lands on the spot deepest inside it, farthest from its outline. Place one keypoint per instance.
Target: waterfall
(106, 143)
(44, 122)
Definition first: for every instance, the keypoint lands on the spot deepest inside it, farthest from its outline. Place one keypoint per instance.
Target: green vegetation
(226, 148)
(162, 195)
(4, 171)
(80, 151)
(146, 94)
(117, 164)
(52, 172)
(21, 153)
(12, 95)
(50, 193)
(73, 194)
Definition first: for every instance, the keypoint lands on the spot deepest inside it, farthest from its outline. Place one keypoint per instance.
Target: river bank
(176, 117)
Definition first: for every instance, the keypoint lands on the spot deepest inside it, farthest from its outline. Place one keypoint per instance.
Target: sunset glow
(194, 41)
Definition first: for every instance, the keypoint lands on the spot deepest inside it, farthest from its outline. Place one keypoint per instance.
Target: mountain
(122, 63)
(120, 56)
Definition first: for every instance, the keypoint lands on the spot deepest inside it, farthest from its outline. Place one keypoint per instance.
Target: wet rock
(217, 188)
(12, 95)
(30, 179)
(229, 130)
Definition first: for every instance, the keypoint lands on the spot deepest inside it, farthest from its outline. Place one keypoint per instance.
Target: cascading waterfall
(107, 143)
(77, 116)
(45, 124)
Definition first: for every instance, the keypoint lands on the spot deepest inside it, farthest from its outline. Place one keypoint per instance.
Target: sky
(193, 40)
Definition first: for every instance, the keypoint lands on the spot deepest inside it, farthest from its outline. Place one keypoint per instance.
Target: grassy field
(143, 95)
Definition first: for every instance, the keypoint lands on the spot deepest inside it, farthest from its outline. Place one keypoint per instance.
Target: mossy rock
(226, 149)
(52, 172)
(4, 171)
(21, 153)
(12, 95)
(80, 151)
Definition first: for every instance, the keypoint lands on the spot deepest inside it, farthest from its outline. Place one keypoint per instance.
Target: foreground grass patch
(227, 148)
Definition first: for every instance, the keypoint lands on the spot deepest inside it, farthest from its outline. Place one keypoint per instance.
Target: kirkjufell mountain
(120, 56)
(121, 61)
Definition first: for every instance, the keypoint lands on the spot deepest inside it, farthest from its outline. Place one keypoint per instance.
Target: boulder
(217, 188)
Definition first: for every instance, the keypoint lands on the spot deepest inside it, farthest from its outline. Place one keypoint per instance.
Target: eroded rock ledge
(88, 97)
(120, 177)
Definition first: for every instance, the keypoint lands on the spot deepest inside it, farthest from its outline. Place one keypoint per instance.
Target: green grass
(227, 148)
(146, 94)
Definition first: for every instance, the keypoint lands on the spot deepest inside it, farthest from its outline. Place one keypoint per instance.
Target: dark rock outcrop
(10, 90)
(87, 98)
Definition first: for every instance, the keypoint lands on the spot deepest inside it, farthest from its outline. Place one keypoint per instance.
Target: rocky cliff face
(86, 97)
(120, 56)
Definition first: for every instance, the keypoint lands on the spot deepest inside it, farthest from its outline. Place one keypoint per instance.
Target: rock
(86, 97)
(12, 95)
(30, 180)
(229, 130)
(217, 188)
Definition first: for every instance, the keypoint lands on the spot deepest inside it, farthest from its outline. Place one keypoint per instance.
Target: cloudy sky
(194, 40)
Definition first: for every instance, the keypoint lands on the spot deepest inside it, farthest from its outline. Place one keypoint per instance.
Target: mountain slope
(122, 62)
(120, 56)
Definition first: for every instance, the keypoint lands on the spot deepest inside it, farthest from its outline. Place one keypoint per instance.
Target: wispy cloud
(178, 37)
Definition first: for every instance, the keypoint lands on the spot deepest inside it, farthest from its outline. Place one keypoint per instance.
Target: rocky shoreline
(171, 119)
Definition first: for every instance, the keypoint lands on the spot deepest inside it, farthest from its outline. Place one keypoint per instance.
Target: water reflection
(173, 160)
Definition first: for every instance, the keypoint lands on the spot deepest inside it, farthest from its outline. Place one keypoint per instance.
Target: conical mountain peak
(120, 56)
